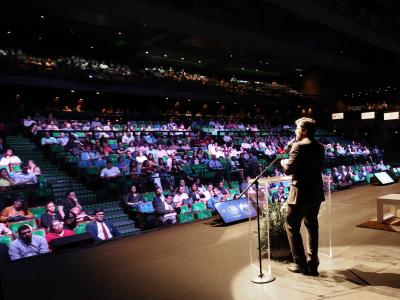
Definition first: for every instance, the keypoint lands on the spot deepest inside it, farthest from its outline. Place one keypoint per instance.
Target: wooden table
(393, 200)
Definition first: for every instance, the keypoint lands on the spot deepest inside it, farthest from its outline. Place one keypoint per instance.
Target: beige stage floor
(198, 261)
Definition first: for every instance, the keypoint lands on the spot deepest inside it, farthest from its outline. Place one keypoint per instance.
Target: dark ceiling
(259, 38)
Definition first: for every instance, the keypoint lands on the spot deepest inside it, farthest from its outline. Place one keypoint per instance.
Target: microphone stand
(261, 277)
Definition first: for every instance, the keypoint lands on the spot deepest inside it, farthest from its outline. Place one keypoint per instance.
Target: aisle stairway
(62, 183)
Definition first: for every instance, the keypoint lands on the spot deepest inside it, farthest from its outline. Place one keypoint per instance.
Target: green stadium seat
(40, 232)
(38, 211)
(6, 239)
(199, 206)
(184, 209)
(15, 168)
(203, 214)
(234, 185)
(81, 228)
(186, 218)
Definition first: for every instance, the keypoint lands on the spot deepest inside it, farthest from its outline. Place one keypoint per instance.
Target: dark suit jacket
(305, 165)
(92, 228)
(160, 208)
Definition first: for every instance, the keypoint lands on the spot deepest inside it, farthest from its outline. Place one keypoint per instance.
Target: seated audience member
(70, 220)
(50, 215)
(70, 202)
(81, 215)
(214, 163)
(279, 196)
(165, 210)
(182, 183)
(159, 197)
(128, 138)
(88, 157)
(24, 177)
(27, 244)
(4, 229)
(223, 190)
(56, 231)
(194, 194)
(48, 140)
(5, 179)
(101, 230)
(9, 159)
(109, 171)
(63, 139)
(33, 169)
(181, 198)
(208, 193)
(133, 198)
(28, 121)
(16, 212)
(217, 197)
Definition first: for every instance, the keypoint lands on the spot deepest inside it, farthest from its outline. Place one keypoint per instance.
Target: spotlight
(72, 91)
(91, 47)
(165, 55)
(97, 93)
(42, 17)
(90, 76)
(147, 52)
(182, 58)
(8, 32)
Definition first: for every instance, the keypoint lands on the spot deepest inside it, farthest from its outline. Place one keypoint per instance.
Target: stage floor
(200, 261)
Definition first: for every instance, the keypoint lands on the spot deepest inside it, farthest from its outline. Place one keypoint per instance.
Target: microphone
(289, 145)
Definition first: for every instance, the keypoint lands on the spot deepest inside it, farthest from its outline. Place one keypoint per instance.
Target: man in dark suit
(166, 210)
(101, 230)
(306, 194)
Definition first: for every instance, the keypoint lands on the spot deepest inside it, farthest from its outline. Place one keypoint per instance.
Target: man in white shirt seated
(127, 138)
(101, 229)
(110, 171)
(48, 140)
(161, 152)
(28, 121)
(63, 139)
(9, 159)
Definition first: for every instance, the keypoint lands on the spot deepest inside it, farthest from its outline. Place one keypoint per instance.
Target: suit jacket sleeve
(92, 229)
(291, 165)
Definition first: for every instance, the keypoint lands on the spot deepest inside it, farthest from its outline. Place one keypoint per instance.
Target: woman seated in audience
(133, 198)
(70, 221)
(195, 194)
(16, 212)
(33, 169)
(50, 215)
(5, 179)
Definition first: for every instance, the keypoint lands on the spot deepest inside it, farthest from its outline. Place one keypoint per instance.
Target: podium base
(265, 278)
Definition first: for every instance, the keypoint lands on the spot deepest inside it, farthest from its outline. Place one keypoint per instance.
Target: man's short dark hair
(109, 162)
(23, 227)
(308, 124)
(96, 211)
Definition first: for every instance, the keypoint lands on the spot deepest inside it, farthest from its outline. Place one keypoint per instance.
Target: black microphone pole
(261, 278)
